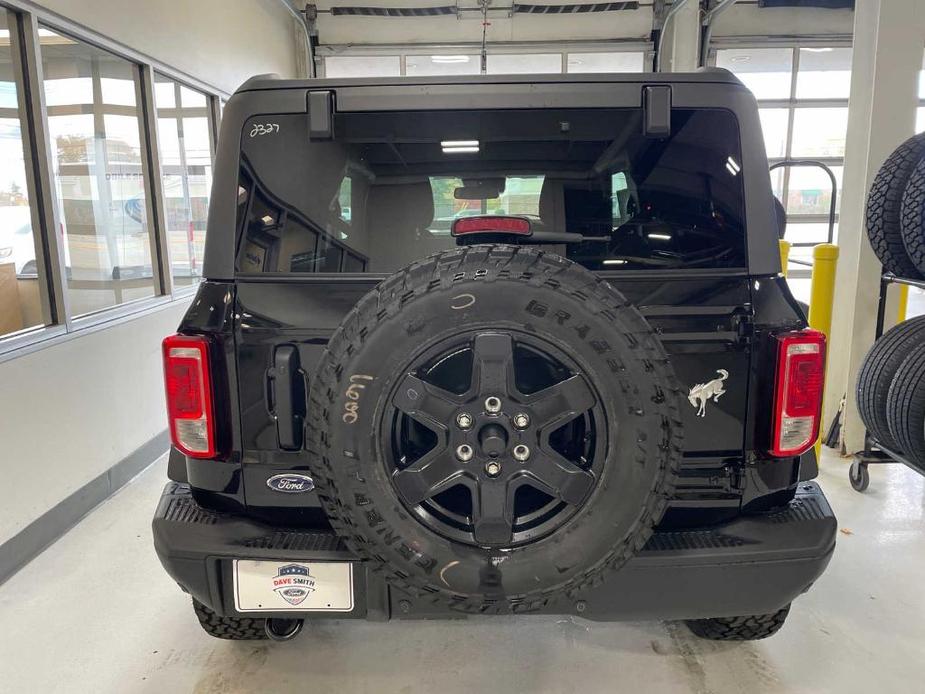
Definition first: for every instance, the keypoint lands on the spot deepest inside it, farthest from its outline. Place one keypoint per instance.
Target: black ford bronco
(493, 345)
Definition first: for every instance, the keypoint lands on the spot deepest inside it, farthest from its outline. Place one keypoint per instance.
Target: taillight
(798, 392)
(491, 223)
(189, 395)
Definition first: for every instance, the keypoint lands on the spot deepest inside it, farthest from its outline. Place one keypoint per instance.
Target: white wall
(72, 410)
(221, 42)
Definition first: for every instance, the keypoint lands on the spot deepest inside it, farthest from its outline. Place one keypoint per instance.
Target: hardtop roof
(702, 76)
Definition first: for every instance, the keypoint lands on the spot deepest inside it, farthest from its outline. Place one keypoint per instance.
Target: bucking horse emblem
(702, 392)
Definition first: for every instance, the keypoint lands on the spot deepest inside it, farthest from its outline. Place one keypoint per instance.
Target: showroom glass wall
(107, 167)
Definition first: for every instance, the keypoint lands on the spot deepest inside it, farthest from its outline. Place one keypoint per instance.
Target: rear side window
(388, 188)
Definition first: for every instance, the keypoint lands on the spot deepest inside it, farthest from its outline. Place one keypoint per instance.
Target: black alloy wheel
(496, 438)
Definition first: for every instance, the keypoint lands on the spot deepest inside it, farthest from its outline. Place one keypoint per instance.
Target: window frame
(25, 18)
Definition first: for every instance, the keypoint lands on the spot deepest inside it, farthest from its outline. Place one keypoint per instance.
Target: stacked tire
(891, 390)
(891, 383)
(896, 210)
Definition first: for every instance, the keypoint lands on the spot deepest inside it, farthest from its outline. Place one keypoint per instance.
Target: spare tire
(494, 426)
(913, 218)
(906, 405)
(884, 206)
(878, 371)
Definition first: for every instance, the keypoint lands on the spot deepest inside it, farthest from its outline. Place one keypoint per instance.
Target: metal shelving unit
(875, 453)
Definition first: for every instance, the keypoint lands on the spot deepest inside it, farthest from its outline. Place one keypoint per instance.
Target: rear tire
(750, 628)
(877, 375)
(231, 628)
(884, 207)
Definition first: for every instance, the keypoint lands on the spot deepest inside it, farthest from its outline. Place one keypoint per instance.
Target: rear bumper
(751, 565)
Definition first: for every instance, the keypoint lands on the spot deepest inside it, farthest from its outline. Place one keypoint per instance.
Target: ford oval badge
(291, 483)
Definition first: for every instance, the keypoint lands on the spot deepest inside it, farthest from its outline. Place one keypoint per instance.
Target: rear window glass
(389, 187)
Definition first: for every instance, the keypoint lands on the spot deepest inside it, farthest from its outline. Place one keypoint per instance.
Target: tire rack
(875, 453)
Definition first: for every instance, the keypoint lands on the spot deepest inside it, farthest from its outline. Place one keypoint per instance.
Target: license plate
(287, 586)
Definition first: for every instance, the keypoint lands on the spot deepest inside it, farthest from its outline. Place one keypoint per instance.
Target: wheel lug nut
(464, 452)
(493, 469)
(464, 420)
(521, 420)
(521, 452)
(492, 405)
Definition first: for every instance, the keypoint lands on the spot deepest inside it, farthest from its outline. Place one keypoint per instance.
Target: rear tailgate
(287, 323)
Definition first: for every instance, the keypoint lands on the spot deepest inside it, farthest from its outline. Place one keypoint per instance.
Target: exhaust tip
(283, 629)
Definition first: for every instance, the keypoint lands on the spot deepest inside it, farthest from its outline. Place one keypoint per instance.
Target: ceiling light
(660, 237)
(615, 261)
(819, 50)
(459, 146)
(445, 59)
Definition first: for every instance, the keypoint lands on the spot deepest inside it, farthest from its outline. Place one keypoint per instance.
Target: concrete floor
(96, 613)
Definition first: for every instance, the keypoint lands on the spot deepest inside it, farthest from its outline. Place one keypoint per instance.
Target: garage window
(802, 97)
(442, 64)
(524, 63)
(628, 61)
(438, 61)
(362, 66)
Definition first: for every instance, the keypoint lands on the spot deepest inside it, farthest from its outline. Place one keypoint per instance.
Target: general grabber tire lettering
(877, 372)
(232, 628)
(884, 207)
(750, 628)
(905, 406)
(443, 514)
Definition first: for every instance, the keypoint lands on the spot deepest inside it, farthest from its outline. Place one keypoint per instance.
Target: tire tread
(906, 405)
(884, 207)
(913, 217)
(877, 372)
(749, 628)
(231, 628)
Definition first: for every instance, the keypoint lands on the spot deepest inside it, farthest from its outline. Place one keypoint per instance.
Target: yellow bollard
(822, 299)
(784, 255)
(903, 303)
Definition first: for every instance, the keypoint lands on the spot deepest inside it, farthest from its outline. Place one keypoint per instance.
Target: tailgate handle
(286, 386)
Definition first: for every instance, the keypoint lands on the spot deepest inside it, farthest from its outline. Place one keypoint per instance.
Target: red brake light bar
(798, 392)
(498, 224)
(189, 395)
